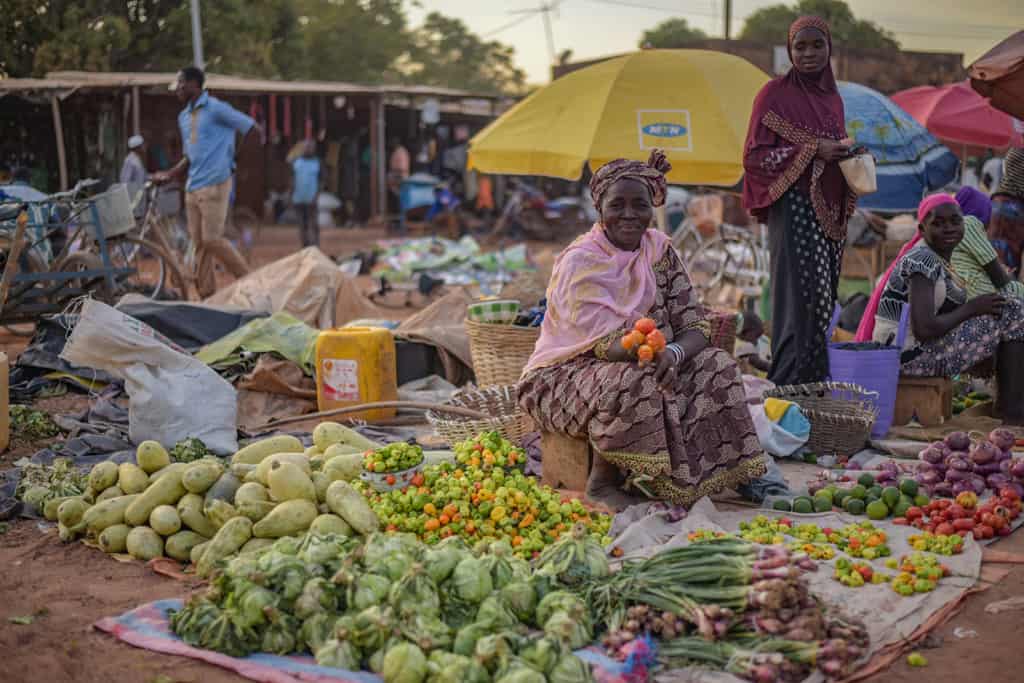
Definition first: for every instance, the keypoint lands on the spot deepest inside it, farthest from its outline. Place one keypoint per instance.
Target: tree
(771, 24)
(446, 53)
(367, 41)
(672, 33)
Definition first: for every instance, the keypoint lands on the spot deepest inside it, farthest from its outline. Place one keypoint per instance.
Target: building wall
(887, 71)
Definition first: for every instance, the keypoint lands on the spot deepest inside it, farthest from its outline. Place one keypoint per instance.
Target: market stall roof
(71, 80)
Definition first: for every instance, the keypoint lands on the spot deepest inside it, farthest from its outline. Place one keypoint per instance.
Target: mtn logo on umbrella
(668, 129)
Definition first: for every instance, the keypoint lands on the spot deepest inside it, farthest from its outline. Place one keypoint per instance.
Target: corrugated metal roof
(66, 80)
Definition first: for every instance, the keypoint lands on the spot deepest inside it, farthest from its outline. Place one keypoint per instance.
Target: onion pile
(955, 465)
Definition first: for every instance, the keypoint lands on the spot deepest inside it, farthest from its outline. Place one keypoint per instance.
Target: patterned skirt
(972, 342)
(678, 444)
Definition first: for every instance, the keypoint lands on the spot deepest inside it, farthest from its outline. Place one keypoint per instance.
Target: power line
(514, 22)
(656, 8)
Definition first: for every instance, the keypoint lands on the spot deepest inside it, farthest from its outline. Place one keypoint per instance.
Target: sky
(593, 28)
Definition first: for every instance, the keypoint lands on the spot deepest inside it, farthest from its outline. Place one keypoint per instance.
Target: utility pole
(728, 19)
(197, 36)
(546, 10)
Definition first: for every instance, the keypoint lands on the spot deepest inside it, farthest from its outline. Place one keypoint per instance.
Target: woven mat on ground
(148, 627)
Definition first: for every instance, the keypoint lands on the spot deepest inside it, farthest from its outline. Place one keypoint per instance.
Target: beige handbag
(859, 171)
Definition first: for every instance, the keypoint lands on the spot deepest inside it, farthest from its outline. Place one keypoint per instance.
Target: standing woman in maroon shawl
(793, 183)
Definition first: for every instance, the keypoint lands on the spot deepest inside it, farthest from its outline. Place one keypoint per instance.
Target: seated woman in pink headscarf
(951, 332)
(676, 429)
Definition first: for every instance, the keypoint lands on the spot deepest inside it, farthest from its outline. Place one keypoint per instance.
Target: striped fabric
(970, 257)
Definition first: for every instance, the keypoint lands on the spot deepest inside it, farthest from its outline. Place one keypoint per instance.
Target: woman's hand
(987, 304)
(666, 368)
(831, 150)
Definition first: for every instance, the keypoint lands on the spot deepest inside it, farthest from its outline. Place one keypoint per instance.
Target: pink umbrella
(957, 114)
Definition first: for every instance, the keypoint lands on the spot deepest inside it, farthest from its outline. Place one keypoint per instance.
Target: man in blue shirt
(305, 186)
(208, 128)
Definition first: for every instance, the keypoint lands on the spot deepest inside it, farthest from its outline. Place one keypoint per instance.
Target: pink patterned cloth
(595, 289)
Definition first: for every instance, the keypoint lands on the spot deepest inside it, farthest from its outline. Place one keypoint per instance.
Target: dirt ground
(66, 588)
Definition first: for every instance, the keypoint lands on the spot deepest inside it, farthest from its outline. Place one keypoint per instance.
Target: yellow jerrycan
(356, 365)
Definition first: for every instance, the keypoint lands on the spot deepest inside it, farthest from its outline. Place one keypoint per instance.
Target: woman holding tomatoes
(623, 358)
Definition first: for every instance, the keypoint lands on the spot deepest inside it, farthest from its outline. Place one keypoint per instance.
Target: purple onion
(962, 486)
(1002, 438)
(954, 476)
(890, 466)
(924, 467)
(983, 452)
(977, 484)
(1017, 468)
(957, 462)
(853, 466)
(987, 468)
(1005, 466)
(885, 476)
(997, 481)
(943, 489)
(1003, 456)
(958, 441)
(941, 469)
(932, 455)
(929, 478)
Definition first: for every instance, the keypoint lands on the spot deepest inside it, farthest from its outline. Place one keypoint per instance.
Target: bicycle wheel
(687, 240)
(724, 261)
(154, 273)
(81, 261)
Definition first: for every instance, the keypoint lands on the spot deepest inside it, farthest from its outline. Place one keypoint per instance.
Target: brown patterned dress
(680, 444)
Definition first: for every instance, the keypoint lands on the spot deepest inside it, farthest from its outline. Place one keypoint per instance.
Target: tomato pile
(966, 514)
(484, 503)
(646, 339)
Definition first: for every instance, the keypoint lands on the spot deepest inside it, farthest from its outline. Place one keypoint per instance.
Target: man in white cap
(133, 171)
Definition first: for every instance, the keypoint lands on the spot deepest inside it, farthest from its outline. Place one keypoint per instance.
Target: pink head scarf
(866, 329)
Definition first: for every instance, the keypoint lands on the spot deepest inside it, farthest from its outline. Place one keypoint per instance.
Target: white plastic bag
(859, 171)
(172, 396)
(774, 439)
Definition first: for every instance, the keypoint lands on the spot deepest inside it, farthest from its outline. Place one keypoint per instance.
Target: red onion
(1003, 439)
(958, 441)
(997, 481)
(890, 466)
(932, 455)
(885, 476)
(958, 462)
(983, 452)
(853, 466)
(1017, 468)
(962, 486)
(1004, 455)
(923, 466)
(987, 469)
(1005, 466)
(929, 478)
(943, 489)
(954, 475)
(977, 484)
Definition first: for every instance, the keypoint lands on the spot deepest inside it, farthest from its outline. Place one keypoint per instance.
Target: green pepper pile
(395, 457)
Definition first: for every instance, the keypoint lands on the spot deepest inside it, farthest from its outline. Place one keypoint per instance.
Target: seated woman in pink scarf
(676, 429)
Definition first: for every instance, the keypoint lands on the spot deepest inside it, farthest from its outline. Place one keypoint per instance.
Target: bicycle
(734, 257)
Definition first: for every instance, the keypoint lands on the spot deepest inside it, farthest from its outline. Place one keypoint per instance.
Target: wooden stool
(930, 398)
(565, 461)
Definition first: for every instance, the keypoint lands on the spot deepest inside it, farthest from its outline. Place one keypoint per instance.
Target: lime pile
(865, 497)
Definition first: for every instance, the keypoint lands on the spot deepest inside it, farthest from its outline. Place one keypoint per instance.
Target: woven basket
(841, 415)
(723, 329)
(500, 352)
(501, 402)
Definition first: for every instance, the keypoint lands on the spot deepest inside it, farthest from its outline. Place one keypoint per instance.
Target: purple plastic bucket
(877, 371)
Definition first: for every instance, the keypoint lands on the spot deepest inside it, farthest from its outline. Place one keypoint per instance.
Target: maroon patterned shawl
(791, 114)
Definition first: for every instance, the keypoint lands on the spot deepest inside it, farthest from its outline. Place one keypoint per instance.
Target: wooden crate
(565, 461)
(930, 398)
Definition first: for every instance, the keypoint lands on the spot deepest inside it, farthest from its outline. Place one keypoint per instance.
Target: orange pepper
(527, 521)
(430, 509)
(432, 525)
(645, 326)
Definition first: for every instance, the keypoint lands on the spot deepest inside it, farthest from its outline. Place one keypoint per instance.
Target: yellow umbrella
(694, 104)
